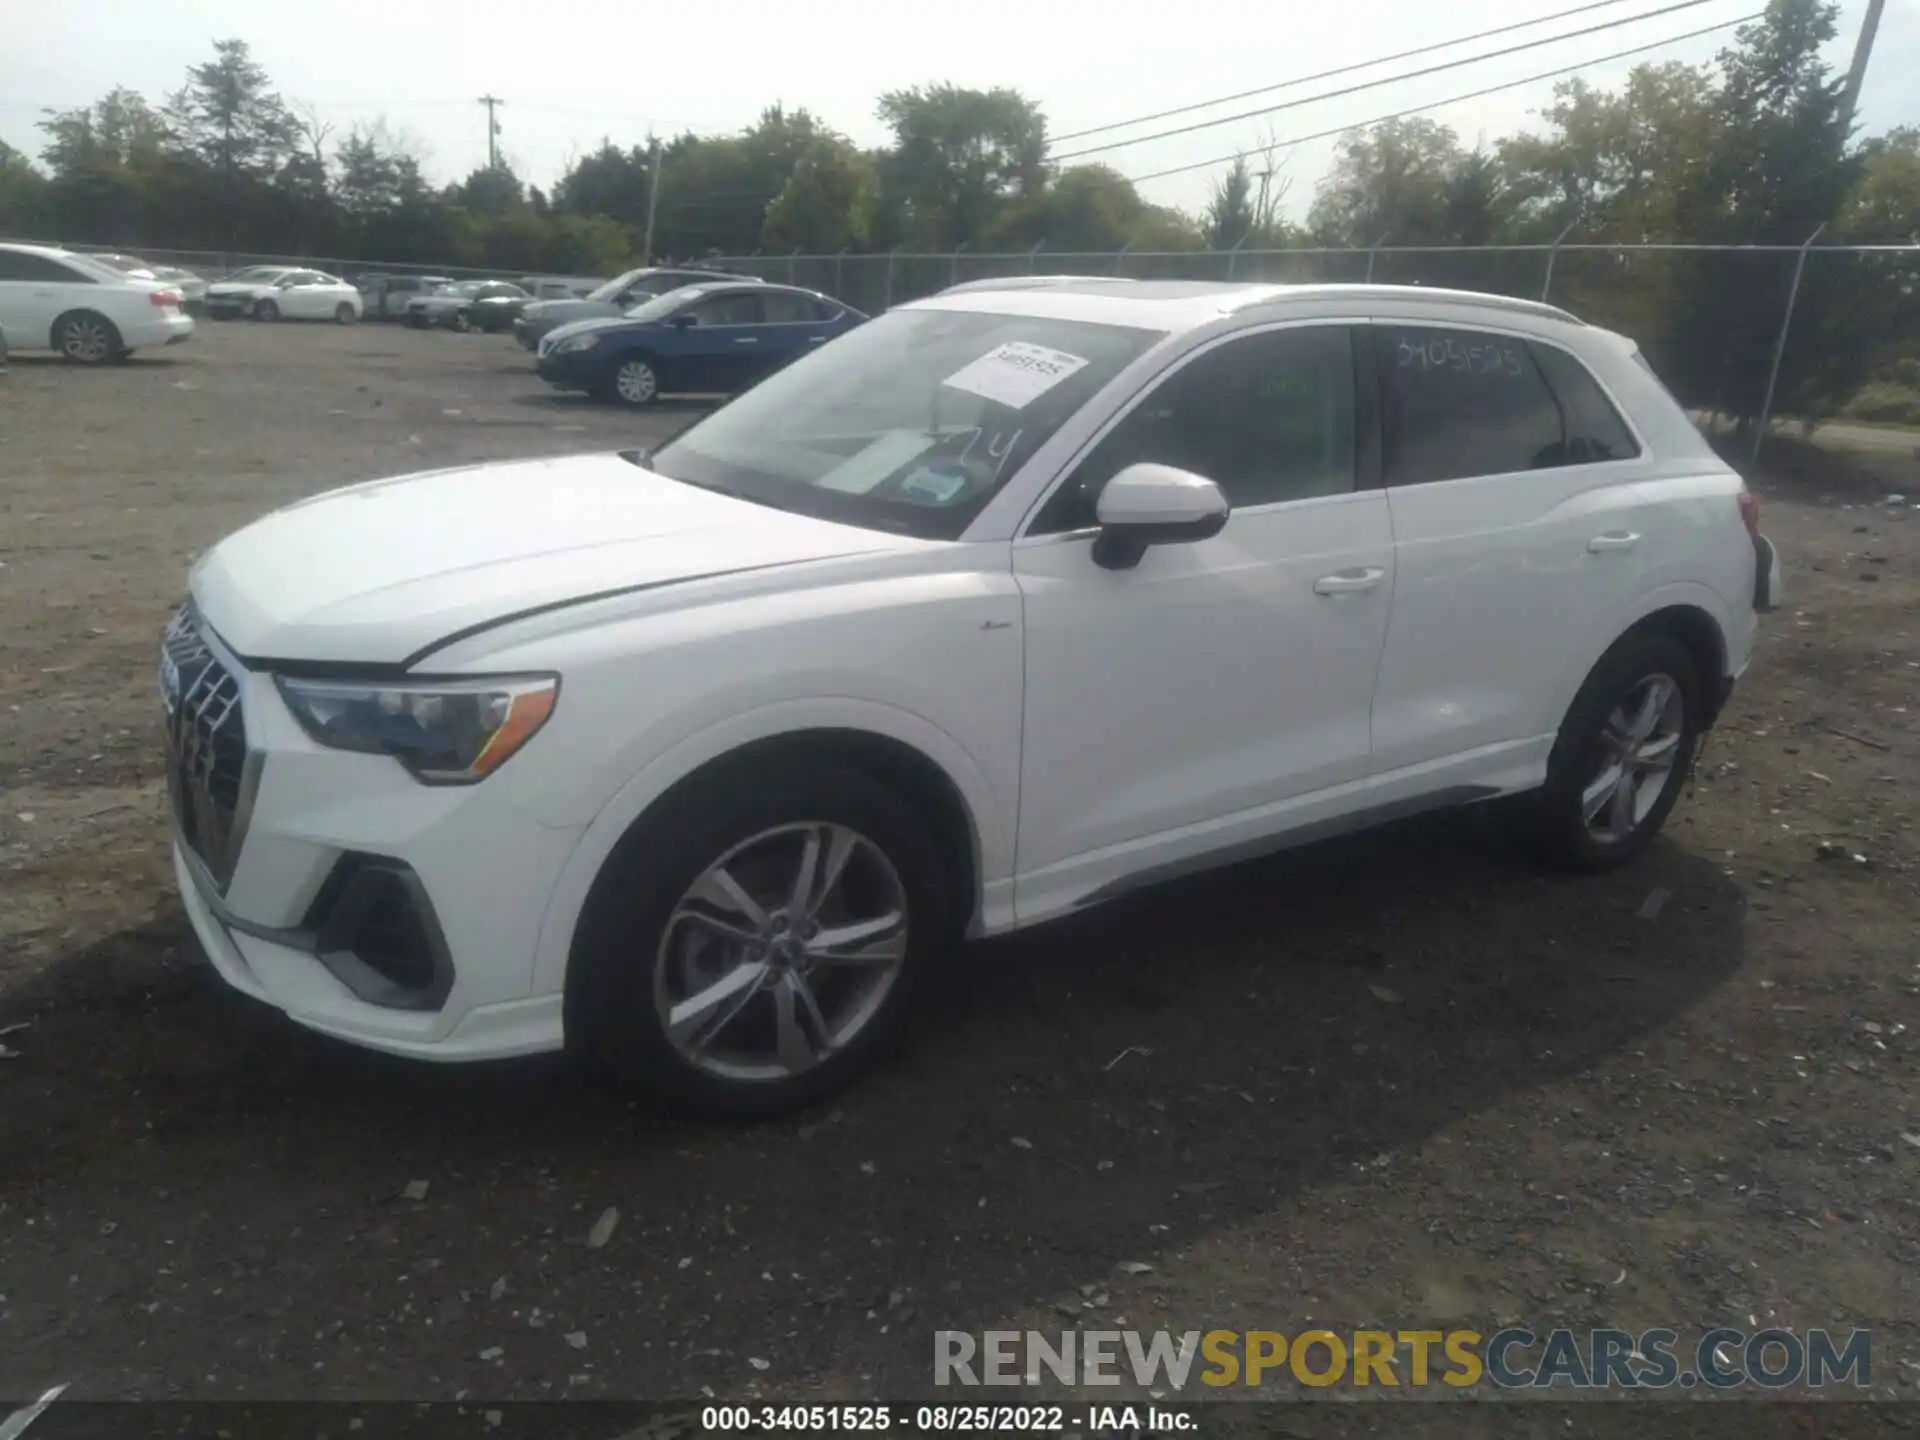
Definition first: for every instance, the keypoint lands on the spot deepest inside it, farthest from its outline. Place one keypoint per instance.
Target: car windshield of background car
(909, 423)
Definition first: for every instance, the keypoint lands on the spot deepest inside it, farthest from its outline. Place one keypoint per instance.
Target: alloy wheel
(86, 340)
(635, 382)
(1638, 752)
(781, 952)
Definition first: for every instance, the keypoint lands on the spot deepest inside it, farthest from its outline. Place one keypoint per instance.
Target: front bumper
(335, 888)
(570, 369)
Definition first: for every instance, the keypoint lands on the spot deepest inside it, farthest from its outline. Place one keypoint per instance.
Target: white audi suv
(995, 607)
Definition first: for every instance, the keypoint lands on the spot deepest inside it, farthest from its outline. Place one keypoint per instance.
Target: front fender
(991, 817)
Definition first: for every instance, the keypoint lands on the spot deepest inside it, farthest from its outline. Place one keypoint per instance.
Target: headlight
(450, 732)
(576, 342)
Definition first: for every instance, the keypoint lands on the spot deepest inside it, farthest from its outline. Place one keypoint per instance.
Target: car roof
(51, 251)
(727, 285)
(1176, 305)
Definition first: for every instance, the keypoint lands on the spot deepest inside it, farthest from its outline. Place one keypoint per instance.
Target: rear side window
(1595, 431)
(1455, 403)
(20, 265)
(783, 307)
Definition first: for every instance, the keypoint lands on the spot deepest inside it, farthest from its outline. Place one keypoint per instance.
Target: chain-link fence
(1728, 325)
(213, 264)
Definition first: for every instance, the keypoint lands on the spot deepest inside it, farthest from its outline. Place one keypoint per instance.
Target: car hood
(375, 573)
(585, 327)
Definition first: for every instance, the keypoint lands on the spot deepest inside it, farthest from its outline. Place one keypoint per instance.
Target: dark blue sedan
(701, 340)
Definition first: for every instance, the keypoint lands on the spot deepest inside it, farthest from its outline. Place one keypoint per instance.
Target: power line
(1452, 100)
(1376, 84)
(1331, 74)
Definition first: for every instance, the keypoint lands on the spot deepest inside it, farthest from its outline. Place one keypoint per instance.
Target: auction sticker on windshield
(1016, 374)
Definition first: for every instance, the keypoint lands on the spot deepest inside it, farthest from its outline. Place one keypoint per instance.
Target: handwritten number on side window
(1451, 354)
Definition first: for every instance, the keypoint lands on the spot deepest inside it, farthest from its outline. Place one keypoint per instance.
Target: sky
(574, 71)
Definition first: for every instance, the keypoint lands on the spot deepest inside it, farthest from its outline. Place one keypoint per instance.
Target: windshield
(463, 287)
(611, 290)
(910, 423)
(658, 307)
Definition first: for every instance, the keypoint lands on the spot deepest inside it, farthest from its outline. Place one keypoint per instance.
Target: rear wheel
(266, 310)
(756, 949)
(1622, 755)
(344, 313)
(87, 338)
(462, 321)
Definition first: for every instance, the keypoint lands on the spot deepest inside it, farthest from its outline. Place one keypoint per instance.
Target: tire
(266, 310)
(634, 383)
(462, 322)
(87, 338)
(638, 953)
(344, 314)
(1586, 824)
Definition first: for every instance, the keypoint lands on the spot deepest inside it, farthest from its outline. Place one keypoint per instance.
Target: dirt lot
(1401, 1081)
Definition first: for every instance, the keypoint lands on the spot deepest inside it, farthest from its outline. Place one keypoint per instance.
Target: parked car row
(651, 332)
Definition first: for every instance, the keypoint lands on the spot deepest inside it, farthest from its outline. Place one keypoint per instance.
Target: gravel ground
(1401, 1080)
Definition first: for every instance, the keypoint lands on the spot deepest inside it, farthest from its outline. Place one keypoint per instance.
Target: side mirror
(1147, 504)
(683, 321)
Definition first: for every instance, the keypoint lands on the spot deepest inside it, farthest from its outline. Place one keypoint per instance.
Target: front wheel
(1623, 753)
(266, 310)
(462, 322)
(635, 383)
(756, 950)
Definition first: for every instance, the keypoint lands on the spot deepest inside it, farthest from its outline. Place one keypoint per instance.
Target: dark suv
(613, 299)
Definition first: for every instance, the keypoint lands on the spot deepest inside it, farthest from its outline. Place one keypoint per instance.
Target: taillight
(1750, 512)
(164, 299)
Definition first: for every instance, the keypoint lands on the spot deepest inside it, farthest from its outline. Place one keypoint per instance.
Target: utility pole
(493, 130)
(653, 201)
(1857, 73)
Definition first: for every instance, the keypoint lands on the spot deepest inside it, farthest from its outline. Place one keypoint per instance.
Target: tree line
(1753, 147)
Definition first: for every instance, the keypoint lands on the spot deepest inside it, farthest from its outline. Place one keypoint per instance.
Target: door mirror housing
(685, 320)
(1147, 504)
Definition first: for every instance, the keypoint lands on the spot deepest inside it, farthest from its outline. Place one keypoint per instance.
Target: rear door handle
(1613, 540)
(817, 340)
(746, 340)
(1347, 582)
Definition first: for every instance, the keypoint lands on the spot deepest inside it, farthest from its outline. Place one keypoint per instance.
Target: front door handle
(746, 340)
(818, 340)
(1613, 540)
(1347, 582)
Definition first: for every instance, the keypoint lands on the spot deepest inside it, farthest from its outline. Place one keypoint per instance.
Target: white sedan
(83, 308)
(272, 293)
(993, 608)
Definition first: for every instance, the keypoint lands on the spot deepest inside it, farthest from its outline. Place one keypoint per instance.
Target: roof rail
(1029, 282)
(1431, 294)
